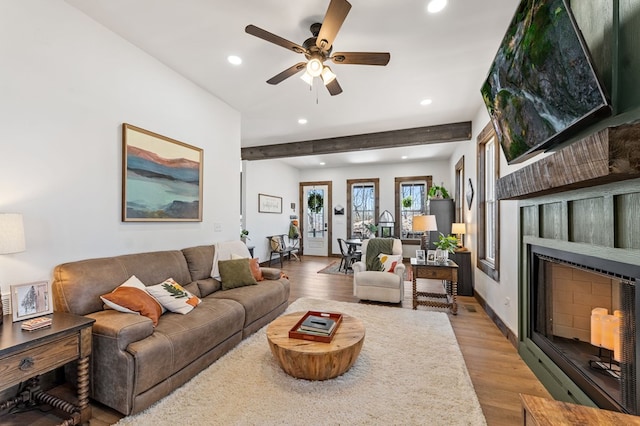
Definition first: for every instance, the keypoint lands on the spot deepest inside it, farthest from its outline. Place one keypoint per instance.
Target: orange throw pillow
(255, 269)
(135, 300)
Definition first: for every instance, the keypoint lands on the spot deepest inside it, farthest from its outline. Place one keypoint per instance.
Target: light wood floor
(497, 372)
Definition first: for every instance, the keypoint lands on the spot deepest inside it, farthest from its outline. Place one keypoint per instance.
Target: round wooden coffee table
(310, 360)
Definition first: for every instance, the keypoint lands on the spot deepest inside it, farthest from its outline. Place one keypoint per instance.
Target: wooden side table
(24, 355)
(448, 272)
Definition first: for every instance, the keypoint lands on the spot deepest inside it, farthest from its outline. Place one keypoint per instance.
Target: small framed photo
(420, 255)
(431, 256)
(31, 300)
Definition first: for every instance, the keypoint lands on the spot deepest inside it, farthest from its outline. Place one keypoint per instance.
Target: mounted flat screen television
(542, 86)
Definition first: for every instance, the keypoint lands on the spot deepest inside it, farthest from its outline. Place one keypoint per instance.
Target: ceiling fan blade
(361, 58)
(334, 87)
(272, 38)
(333, 19)
(287, 73)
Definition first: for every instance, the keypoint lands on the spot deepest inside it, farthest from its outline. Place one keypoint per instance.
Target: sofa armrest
(271, 273)
(358, 267)
(121, 327)
(399, 270)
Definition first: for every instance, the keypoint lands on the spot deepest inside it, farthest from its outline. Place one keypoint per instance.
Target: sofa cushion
(208, 286)
(174, 297)
(177, 342)
(132, 297)
(257, 300)
(235, 273)
(199, 261)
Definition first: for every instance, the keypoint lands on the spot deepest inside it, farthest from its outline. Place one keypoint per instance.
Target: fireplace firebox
(569, 293)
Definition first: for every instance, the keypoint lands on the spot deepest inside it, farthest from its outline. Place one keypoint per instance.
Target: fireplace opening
(583, 316)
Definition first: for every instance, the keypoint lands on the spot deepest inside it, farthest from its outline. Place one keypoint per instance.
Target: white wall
(438, 169)
(66, 86)
(270, 177)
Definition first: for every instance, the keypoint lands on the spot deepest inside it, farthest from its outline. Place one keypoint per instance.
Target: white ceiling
(444, 57)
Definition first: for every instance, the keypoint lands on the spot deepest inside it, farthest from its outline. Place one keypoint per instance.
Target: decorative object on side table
(459, 229)
(438, 192)
(31, 300)
(445, 245)
(425, 224)
(11, 238)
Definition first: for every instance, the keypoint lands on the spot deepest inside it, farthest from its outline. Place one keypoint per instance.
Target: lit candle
(596, 325)
(608, 324)
(617, 341)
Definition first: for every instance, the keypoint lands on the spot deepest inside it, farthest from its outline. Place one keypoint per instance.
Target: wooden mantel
(609, 155)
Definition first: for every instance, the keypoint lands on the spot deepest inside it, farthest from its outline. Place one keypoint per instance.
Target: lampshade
(386, 219)
(327, 75)
(11, 233)
(307, 78)
(458, 228)
(424, 223)
(314, 67)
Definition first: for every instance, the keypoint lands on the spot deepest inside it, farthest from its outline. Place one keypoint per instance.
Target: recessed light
(425, 102)
(404, 157)
(302, 121)
(322, 163)
(436, 6)
(235, 60)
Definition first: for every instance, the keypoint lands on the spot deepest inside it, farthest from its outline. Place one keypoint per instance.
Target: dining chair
(348, 257)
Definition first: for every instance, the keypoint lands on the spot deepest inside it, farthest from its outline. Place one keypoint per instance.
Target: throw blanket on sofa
(375, 246)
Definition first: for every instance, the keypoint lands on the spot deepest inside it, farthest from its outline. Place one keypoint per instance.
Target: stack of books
(36, 323)
(317, 325)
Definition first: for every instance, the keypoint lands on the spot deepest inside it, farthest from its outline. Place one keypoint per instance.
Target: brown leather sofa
(134, 364)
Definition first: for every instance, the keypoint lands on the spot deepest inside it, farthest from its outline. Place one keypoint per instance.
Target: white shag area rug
(410, 372)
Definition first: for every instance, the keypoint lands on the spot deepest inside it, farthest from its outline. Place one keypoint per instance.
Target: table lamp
(11, 238)
(459, 229)
(426, 224)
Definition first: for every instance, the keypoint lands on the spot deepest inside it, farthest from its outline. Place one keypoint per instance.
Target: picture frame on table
(431, 256)
(31, 300)
(161, 178)
(269, 204)
(420, 257)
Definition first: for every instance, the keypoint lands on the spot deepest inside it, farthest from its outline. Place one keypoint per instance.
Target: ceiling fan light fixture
(327, 75)
(314, 67)
(307, 78)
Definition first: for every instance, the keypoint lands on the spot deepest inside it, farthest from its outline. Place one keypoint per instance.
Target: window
(411, 200)
(488, 206)
(362, 206)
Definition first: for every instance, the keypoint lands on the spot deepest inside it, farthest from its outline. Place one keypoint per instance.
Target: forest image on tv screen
(541, 82)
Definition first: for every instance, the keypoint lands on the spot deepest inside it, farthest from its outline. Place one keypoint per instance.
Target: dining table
(353, 244)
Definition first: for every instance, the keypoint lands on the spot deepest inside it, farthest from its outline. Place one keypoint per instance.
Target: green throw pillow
(235, 273)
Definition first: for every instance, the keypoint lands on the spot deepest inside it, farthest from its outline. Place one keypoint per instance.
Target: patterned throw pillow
(389, 261)
(132, 297)
(174, 297)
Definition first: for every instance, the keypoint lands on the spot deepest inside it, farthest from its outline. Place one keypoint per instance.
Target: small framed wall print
(420, 255)
(269, 204)
(31, 300)
(431, 256)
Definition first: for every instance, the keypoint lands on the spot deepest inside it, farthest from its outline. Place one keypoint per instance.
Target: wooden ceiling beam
(391, 139)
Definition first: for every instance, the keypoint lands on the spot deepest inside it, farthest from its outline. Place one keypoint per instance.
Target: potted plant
(438, 192)
(407, 202)
(244, 236)
(444, 246)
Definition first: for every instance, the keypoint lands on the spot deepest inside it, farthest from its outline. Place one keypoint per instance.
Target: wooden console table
(448, 272)
(24, 355)
(548, 412)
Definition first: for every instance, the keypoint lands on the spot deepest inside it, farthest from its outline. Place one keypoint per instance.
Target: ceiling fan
(317, 49)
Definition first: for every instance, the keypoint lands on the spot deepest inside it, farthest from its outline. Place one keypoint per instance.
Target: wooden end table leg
(415, 290)
(454, 293)
(83, 390)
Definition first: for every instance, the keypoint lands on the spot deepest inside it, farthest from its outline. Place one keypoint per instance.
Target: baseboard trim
(506, 331)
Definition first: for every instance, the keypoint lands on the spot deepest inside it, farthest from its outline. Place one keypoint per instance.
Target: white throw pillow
(389, 261)
(174, 297)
